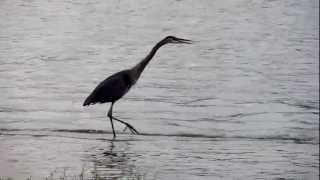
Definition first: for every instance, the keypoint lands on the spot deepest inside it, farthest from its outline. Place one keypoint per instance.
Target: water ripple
(46, 132)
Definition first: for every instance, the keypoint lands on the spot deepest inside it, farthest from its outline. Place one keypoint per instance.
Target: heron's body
(111, 89)
(118, 84)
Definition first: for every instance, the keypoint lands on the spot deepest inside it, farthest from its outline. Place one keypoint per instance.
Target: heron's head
(175, 40)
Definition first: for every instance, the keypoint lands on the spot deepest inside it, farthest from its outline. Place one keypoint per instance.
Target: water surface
(240, 103)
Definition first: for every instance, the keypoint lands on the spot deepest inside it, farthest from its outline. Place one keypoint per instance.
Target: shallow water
(241, 102)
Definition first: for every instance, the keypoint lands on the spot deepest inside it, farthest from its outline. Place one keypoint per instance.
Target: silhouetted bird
(118, 84)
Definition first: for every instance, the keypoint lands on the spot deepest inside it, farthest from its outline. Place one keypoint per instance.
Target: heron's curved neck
(144, 62)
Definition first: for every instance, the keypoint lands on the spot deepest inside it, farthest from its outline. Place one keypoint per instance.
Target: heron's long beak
(183, 41)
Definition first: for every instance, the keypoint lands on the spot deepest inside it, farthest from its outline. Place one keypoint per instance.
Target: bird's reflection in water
(114, 161)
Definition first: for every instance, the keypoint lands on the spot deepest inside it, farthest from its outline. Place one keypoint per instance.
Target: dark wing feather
(111, 89)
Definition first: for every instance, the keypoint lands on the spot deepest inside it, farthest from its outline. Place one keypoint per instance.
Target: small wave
(197, 100)
(46, 133)
(39, 133)
(240, 115)
(184, 135)
(303, 105)
(299, 140)
(85, 131)
(246, 114)
(9, 109)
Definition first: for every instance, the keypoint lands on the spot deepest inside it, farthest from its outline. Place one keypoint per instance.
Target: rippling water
(240, 103)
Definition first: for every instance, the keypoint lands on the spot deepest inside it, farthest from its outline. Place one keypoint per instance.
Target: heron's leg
(131, 128)
(110, 116)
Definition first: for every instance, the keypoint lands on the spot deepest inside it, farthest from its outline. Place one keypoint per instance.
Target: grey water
(241, 102)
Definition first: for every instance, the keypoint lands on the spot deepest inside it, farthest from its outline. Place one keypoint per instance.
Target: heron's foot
(133, 131)
(129, 126)
(125, 128)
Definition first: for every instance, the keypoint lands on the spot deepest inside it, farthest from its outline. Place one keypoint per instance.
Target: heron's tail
(88, 101)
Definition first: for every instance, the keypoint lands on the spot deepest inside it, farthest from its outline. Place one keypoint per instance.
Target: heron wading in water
(118, 84)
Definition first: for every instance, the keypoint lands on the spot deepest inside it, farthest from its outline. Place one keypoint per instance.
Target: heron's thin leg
(131, 128)
(110, 116)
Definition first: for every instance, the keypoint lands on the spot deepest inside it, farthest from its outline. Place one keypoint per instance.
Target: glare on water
(241, 102)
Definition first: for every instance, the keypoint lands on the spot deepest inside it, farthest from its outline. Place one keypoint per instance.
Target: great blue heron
(118, 84)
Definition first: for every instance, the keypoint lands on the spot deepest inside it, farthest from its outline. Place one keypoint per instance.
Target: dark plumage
(111, 89)
(118, 84)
